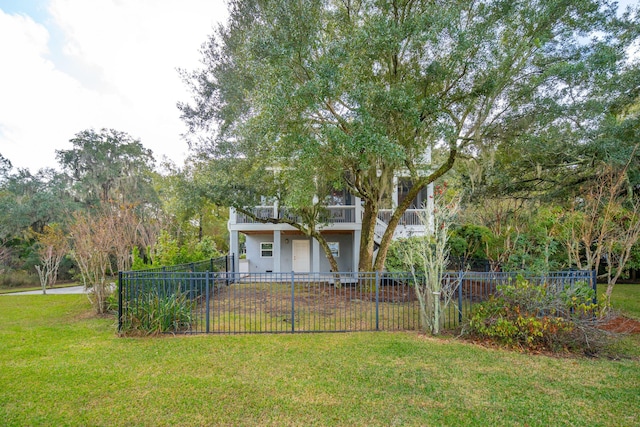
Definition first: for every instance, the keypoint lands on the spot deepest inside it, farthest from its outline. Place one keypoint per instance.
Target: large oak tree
(349, 93)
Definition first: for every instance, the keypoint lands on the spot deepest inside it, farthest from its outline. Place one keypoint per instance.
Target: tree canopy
(351, 93)
(108, 165)
(5, 166)
(28, 202)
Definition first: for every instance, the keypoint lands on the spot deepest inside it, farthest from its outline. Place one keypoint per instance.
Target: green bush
(112, 302)
(579, 300)
(154, 314)
(530, 316)
(397, 258)
(169, 252)
(18, 278)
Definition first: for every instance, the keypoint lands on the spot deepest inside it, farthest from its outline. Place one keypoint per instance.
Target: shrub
(154, 313)
(169, 252)
(112, 302)
(18, 278)
(534, 317)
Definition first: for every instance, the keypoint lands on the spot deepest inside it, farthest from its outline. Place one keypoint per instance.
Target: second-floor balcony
(333, 215)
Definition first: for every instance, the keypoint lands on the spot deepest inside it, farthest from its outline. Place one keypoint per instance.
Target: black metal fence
(231, 303)
(223, 263)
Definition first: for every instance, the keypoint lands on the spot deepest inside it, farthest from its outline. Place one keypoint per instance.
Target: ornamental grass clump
(154, 313)
(535, 317)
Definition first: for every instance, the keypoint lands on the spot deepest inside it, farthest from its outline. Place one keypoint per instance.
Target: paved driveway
(54, 291)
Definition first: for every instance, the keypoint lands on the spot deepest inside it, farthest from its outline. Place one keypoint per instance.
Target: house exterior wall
(345, 259)
(343, 226)
(259, 264)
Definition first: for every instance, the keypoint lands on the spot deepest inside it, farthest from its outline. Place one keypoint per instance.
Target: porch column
(315, 257)
(356, 249)
(234, 249)
(277, 251)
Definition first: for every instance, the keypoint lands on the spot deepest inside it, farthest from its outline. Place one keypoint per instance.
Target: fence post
(210, 264)
(377, 301)
(292, 303)
(207, 295)
(460, 279)
(594, 285)
(573, 276)
(120, 301)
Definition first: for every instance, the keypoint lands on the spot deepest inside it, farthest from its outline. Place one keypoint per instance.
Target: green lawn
(626, 299)
(60, 365)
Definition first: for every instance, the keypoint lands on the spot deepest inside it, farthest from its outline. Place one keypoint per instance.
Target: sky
(71, 65)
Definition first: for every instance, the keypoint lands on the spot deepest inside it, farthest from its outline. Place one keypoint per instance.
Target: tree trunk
(367, 237)
(332, 260)
(402, 208)
(391, 227)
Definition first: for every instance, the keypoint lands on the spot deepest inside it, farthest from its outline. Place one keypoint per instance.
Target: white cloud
(34, 93)
(108, 64)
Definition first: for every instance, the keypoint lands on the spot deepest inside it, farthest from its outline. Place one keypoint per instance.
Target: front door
(301, 258)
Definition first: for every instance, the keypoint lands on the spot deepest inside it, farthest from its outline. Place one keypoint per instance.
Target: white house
(282, 248)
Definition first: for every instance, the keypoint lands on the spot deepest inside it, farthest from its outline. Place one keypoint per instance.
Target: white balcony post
(234, 248)
(356, 249)
(358, 211)
(233, 216)
(277, 251)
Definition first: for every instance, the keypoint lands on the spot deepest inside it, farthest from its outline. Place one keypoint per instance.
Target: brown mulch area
(621, 324)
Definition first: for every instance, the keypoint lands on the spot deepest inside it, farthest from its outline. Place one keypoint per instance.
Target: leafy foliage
(17, 278)
(156, 313)
(536, 317)
(108, 165)
(355, 93)
(189, 214)
(168, 251)
(29, 202)
(5, 166)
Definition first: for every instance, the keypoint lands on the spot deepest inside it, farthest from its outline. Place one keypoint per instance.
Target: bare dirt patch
(621, 324)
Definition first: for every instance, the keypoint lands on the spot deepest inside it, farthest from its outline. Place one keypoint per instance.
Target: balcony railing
(409, 217)
(334, 215)
(263, 212)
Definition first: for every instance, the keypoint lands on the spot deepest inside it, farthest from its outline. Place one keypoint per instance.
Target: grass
(626, 299)
(61, 365)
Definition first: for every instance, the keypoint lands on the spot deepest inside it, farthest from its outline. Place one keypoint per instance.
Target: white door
(301, 258)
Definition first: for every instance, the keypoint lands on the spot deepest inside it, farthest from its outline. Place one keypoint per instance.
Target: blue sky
(71, 65)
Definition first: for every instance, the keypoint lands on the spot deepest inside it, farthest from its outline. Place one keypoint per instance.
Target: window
(266, 249)
(335, 248)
